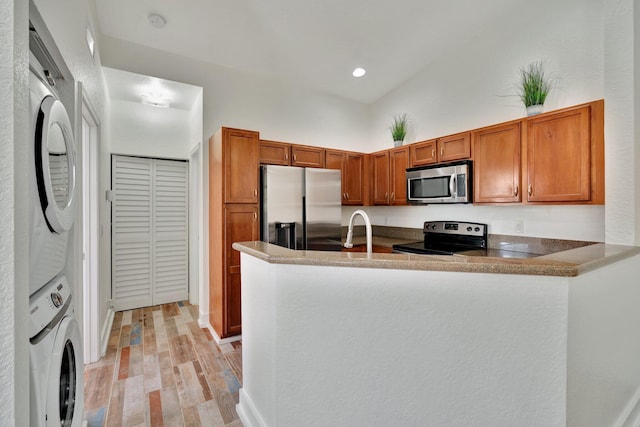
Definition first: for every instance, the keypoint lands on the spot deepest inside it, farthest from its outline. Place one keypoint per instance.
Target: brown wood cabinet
(352, 167)
(389, 176)
(553, 158)
(559, 156)
(275, 153)
(496, 164)
(240, 152)
(241, 225)
(233, 216)
(307, 157)
(424, 153)
(445, 149)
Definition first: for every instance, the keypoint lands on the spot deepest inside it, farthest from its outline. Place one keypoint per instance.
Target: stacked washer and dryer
(56, 362)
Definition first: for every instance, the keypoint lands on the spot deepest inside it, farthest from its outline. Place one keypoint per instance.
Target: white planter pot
(532, 110)
(397, 143)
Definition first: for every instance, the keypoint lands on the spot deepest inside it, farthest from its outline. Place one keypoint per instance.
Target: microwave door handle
(452, 185)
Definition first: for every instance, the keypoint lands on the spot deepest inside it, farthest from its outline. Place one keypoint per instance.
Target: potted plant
(534, 87)
(399, 129)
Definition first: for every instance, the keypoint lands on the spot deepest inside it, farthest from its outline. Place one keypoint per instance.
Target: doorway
(90, 149)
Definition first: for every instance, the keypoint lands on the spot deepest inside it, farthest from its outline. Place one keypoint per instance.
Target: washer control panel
(47, 304)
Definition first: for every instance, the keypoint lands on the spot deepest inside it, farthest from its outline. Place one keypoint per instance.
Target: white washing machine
(57, 383)
(53, 179)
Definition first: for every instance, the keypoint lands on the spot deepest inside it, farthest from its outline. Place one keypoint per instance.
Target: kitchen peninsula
(346, 339)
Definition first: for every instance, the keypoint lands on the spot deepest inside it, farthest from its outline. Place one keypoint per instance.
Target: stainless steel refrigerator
(301, 208)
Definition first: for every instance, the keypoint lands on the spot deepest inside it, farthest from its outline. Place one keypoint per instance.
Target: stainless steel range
(448, 238)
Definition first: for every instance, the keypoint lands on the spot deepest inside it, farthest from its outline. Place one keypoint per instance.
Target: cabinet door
(399, 162)
(496, 164)
(381, 178)
(353, 179)
(335, 159)
(309, 157)
(241, 164)
(454, 147)
(241, 225)
(424, 153)
(275, 153)
(559, 157)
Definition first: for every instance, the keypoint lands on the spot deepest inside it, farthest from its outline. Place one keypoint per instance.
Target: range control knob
(477, 229)
(56, 298)
(469, 228)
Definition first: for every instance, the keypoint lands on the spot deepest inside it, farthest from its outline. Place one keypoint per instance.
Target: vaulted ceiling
(316, 44)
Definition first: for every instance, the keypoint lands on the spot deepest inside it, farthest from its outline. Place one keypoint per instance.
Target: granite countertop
(565, 263)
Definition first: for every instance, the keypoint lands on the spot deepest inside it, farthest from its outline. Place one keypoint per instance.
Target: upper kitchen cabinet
(565, 155)
(496, 164)
(424, 153)
(308, 157)
(454, 147)
(239, 156)
(389, 179)
(445, 149)
(352, 167)
(275, 153)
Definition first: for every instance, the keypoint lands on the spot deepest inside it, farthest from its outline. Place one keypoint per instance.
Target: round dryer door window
(55, 164)
(64, 394)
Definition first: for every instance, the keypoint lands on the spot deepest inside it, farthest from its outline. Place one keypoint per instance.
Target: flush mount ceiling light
(156, 21)
(359, 72)
(155, 100)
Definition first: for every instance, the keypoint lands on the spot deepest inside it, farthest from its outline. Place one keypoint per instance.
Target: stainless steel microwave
(442, 183)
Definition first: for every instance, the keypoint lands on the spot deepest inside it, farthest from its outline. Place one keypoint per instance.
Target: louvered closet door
(149, 232)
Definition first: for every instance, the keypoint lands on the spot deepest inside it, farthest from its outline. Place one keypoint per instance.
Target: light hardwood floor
(162, 369)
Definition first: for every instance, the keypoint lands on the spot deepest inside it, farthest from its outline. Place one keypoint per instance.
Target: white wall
(144, 130)
(14, 359)
(236, 99)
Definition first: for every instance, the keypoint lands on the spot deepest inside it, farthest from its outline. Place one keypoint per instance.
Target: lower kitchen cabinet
(241, 225)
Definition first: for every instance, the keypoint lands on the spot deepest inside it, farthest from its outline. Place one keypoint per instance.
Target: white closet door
(171, 233)
(149, 232)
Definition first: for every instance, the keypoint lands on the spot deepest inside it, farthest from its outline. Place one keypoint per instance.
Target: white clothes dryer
(55, 357)
(52, 181)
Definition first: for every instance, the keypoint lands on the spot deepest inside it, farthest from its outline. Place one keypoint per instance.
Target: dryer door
(64, 395)
(55, 164)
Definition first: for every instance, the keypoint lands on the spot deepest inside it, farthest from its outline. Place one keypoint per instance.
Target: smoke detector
(156, 21)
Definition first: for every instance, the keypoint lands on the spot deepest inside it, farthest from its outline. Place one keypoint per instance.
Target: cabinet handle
(347, 196)
(442, 151)
(255, 216)
(516, 192)
(386, 196)
(294, 158)
(255, 193)
(286, 156)
(433, 153)
(530, 190)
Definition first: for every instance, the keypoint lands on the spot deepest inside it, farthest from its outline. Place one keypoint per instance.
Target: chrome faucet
(367, 224)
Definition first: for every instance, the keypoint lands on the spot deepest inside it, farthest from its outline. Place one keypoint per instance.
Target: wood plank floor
(162, 369)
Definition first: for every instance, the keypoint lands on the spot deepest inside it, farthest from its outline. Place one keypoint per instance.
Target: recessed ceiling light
(157, 21)
(359, 72)
(156, 100)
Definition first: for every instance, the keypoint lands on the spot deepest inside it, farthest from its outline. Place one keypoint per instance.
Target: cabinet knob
(516, 192)
(530, 190)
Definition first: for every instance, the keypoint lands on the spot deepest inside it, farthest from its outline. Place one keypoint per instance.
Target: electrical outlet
(519, 227)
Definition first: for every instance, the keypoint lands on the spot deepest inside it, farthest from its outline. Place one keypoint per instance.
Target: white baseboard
(630, 417)
(203, 322)
(247, 412)
(106, 332)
